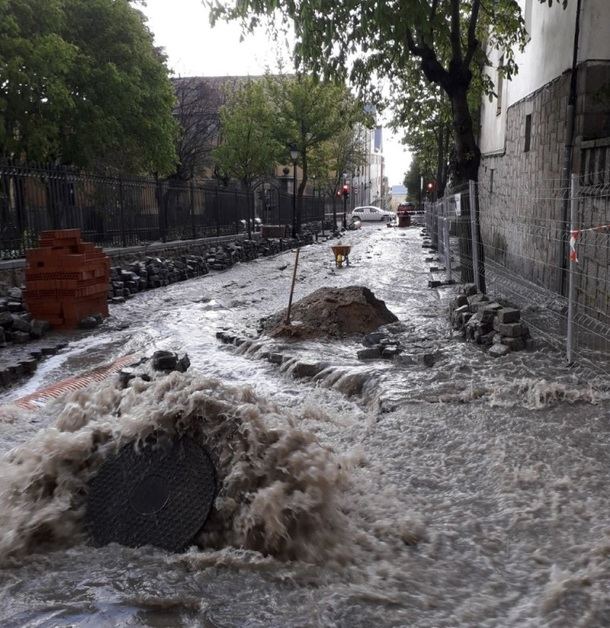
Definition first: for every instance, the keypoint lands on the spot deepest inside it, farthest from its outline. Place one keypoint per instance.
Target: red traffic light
(345, 190)
(430, 185)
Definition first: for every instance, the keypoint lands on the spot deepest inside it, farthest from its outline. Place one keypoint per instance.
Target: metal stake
(294, 278)
(473, 232)
(447, 240)
(572, 273)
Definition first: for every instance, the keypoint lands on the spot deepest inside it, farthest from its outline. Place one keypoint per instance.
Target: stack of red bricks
(66, 279)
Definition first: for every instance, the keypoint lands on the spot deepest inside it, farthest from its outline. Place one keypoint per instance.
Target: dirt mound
(331, 312)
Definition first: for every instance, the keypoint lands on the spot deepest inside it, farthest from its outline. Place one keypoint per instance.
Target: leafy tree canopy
(249, 149)
(309, 114)
(418, 169)
(368, 40)
(345, 152)
(81, 83)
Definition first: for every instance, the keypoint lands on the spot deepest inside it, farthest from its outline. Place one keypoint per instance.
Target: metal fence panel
(124, 211)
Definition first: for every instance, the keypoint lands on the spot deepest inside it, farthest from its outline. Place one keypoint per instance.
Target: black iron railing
(116, 211)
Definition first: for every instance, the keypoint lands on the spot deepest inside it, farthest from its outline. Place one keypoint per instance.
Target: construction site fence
(544, 249)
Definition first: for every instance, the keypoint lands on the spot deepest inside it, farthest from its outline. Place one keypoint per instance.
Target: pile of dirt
(331, 312)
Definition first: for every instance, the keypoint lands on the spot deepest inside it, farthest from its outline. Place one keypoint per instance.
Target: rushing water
(472, 492)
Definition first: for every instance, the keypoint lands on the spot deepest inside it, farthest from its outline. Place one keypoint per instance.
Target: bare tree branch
(197, 106)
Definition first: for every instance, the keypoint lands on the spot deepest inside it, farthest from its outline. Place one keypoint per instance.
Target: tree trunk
(468, 159)
(468, 155)
(441, 158)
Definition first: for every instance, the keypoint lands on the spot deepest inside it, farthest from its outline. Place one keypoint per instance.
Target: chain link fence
(544, 249)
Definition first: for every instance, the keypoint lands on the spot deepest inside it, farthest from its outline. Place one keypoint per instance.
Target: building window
(527, 18)
(499, 86)
(491, 180)
(528, 133)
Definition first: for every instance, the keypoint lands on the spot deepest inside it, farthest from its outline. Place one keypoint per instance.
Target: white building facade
(367, 186)
(524, 132)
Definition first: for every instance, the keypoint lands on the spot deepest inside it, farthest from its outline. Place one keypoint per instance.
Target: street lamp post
(316, 204)
(345, 200)
(294, 155)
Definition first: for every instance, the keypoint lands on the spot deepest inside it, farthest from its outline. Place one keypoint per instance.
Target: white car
(370, 212)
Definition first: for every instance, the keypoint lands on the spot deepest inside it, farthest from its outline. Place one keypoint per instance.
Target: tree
(418, 169)
(196, 111)
(248, 148)
(369, 41)
(344, 152)
(83, 84)
(309, 113)
(423, 112)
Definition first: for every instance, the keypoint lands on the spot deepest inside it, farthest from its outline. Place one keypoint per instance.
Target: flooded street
(465, 491)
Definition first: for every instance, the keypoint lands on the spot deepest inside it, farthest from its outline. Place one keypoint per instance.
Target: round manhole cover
(157, 495)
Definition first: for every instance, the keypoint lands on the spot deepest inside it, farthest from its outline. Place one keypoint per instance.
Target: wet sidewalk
(469, 490)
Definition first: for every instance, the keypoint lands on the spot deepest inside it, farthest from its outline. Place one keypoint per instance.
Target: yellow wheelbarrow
(341, 253)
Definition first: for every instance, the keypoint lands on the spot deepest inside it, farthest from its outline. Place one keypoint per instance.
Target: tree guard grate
(158, 495)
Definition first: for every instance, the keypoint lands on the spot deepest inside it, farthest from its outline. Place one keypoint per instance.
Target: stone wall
(522, 208)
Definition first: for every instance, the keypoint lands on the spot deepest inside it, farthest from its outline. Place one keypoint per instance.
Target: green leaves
(370, 43)
(81, 83)
(248, 149)
(263, 118)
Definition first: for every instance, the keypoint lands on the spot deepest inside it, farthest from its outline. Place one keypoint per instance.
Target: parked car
(370, 212)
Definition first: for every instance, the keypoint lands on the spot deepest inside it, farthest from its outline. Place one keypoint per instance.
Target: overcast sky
(194, 48)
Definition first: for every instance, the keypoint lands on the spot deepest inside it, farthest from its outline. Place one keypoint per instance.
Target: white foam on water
(280, 492)
(477, 496)
(540, 393)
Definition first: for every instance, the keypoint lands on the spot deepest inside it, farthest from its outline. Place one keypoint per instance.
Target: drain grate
(158, 495)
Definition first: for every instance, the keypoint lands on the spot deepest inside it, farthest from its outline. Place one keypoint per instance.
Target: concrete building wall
(522, 208)
(367, 184)
(546, 56)
(519, 187)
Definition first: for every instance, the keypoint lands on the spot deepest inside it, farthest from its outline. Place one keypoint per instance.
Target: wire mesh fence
(123, 211)
(545, 249)
(449, 227)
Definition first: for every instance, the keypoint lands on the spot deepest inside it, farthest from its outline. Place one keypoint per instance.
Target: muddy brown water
(469, 493)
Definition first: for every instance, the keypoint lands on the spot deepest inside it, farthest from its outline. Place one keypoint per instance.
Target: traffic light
(430, 186)
(345, 190)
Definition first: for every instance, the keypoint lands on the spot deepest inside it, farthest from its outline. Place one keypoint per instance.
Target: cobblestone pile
(16, 324)
(489, 323)
(156, 272)
(18, 327)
